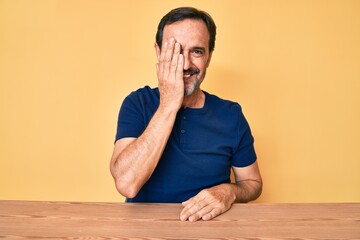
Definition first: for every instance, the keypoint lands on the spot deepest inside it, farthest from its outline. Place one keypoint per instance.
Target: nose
(187, 60)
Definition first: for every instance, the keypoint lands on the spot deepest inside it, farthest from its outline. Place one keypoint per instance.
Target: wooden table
(75, 220)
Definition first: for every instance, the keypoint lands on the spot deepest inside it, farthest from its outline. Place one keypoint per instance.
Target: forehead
(188, 32)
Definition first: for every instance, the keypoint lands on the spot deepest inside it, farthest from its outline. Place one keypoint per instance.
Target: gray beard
(193, 88)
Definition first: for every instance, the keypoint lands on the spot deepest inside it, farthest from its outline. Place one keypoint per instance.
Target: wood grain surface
(81, 220)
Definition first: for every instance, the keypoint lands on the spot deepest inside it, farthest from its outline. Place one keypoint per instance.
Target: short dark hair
(183, 13)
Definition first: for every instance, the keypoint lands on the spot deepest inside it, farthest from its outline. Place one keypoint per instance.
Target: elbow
(125, 185)
(126, 189)
(258, 189)
(258, 193)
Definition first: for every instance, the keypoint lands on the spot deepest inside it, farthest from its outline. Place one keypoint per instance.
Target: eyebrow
(198, 48)
(194, 48)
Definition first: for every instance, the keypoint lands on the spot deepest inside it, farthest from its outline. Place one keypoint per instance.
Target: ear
(208, 61)
(157, 50)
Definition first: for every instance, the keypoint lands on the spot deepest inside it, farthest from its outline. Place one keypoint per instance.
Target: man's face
(194, 37)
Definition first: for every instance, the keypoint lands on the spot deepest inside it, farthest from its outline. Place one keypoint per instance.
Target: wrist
(168, 109)
(231, 192)
(168, 113)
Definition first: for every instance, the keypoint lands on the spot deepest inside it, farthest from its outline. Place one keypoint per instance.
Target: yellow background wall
(66, 66)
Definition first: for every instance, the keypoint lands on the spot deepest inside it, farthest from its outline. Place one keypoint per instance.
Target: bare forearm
(216, 200)
(134, 160)
(134, 164)
(247, 190)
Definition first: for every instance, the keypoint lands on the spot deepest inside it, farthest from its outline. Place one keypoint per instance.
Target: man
(177, 143)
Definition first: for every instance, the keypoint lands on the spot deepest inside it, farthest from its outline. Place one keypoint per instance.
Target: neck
(195, 100)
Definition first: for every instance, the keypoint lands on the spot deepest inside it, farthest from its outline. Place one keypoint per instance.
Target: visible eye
(197, 52)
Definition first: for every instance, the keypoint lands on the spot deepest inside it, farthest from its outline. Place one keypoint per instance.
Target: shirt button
(184, 117)
(182, 131)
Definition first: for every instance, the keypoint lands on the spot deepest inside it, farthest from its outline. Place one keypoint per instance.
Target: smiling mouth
(189, 73)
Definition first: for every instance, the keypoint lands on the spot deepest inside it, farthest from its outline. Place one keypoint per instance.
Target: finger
(162, 56)
(191, 209)
(175, 58)
(190, 203)
(169, 50)
(160, 66)
(210, 215)
(186, 202)
(200, 214)
(201, 196)
(180, 68)
(163, 51)
(168, 57)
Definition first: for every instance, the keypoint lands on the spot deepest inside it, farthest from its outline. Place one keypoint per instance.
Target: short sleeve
(130, 120)
(244, 155)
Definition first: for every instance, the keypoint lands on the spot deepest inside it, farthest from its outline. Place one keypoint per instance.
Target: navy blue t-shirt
(201, 149)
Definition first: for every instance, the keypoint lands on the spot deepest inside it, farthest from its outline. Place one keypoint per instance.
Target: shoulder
(221, 104)
(144, 92)
(145, 95)
(229, 111)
